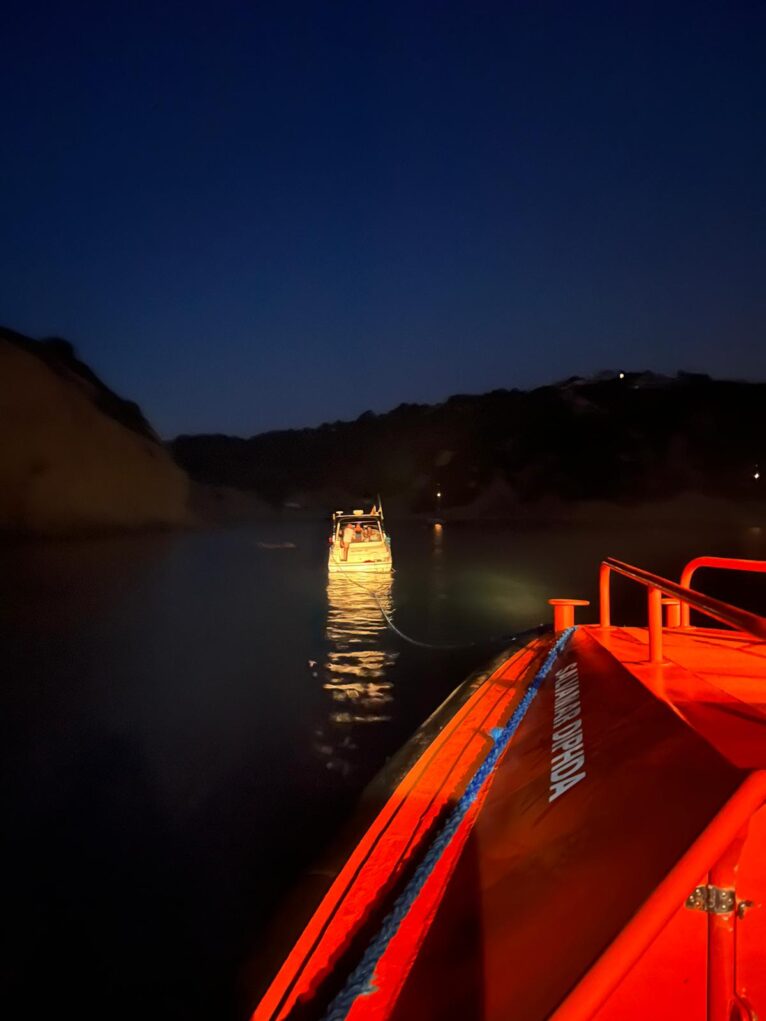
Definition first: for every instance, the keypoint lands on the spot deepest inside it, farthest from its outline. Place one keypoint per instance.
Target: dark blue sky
(254, 215)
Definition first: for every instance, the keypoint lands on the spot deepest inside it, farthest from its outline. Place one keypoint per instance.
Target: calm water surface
(188, 720)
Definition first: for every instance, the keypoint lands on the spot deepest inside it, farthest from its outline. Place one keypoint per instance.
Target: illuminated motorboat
(578, 833)
(359, 542)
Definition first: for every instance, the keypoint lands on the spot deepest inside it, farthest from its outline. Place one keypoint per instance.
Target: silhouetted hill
(60, 357)
(640, 437)
(75, 457)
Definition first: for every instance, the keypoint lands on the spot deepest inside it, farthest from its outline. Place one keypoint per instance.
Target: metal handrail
(721, 563)
(733, 616)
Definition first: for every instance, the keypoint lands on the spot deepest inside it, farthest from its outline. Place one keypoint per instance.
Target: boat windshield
(359, 529)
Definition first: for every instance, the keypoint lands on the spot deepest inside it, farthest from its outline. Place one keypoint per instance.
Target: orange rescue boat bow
(584, 838)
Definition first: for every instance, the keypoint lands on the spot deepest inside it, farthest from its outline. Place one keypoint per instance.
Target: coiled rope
(359, 982)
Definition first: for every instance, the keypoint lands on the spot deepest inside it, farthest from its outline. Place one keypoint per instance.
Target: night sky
(253, 215)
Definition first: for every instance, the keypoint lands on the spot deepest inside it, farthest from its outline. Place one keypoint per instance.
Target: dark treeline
(636, 438)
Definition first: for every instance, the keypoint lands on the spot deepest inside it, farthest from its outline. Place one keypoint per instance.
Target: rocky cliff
(74, 457)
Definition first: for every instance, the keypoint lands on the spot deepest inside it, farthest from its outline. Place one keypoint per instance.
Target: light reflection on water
(356, 673)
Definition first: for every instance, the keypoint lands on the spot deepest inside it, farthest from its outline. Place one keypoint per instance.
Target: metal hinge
(715, 900)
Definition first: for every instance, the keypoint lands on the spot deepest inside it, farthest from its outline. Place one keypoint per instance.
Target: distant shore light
(757, 475)
(622, 375)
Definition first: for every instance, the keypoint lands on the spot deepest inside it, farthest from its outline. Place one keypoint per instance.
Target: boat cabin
(365, 527)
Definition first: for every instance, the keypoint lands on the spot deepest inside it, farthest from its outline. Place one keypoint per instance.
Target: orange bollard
(672, 612)
(563, 612)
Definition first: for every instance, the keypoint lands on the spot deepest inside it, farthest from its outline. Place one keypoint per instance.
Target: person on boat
(358, 536)
(346, 538)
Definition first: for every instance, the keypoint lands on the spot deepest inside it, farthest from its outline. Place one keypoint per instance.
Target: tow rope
(493, 640)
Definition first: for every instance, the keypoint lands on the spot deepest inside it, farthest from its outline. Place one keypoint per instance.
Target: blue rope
(359, 982)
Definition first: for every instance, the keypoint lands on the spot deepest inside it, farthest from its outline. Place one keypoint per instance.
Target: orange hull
(538, 859)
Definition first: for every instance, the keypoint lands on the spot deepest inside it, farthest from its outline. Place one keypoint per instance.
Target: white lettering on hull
(567, 749)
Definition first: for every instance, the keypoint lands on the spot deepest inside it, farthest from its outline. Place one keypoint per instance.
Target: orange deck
(714, 679)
